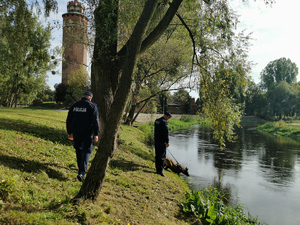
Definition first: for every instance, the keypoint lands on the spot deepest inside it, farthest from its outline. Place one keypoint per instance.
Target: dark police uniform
(161, 139)
(83, 123)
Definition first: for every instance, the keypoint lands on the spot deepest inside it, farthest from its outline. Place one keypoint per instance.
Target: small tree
(79, 82)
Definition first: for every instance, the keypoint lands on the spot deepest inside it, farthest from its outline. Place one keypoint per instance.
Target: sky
(275, 32)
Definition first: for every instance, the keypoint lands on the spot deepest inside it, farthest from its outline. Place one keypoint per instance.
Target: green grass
(289, 129)
(38, 176)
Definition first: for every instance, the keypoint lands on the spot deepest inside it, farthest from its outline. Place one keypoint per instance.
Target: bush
(209, 207)
(37, 102)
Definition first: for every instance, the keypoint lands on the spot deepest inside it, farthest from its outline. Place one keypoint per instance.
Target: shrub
(37, 102)
(209, 207)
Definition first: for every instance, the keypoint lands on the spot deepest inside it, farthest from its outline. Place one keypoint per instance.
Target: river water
(259, 171)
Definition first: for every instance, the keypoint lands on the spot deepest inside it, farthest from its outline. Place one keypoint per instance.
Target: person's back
(82, 116)
(161, 131)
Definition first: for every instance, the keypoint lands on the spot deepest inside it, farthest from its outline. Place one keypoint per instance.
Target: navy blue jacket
(83, 118)
(161, 131)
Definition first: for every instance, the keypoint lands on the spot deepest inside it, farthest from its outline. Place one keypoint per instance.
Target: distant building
(74, 39)
(180, 108)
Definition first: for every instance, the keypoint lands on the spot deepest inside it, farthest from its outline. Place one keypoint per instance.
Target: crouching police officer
(83, 128)
(161, 141)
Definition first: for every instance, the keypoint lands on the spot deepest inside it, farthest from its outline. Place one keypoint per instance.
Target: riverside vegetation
(288, 129)
(38, 179)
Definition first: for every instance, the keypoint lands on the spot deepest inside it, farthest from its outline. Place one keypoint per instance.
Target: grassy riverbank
(288, 129)
(38, 177)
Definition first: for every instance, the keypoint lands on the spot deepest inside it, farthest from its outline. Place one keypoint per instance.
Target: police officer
(161, 141)
(83, 128)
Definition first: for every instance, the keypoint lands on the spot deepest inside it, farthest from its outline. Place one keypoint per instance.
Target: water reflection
(261, 171)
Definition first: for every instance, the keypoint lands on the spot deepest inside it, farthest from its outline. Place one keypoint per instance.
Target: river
(259, 171)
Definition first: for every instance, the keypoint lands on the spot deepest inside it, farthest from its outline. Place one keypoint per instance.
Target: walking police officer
(161, 141)
(83, 128)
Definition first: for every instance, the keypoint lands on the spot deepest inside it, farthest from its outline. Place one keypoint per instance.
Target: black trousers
(160, 156)
(84, 147)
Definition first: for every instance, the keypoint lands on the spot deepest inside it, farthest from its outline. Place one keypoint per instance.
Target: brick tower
(74, 39)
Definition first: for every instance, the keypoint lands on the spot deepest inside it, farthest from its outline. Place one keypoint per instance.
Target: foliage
(207, 204)
(278, 93)
(71, 92)
(79, 79)
(219, 106)
(277, 71)
(25, 57)
(255, 101)
(282, 100)
(47, 94)
(160, 69)
(77, 84)
(221, 60)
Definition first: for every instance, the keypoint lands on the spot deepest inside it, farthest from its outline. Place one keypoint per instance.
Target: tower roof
(75, 6)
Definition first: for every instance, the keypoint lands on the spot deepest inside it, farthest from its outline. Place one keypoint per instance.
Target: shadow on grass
(190, 218)
(31, 166)
(143, 154)
(41, 131)
(125, 165)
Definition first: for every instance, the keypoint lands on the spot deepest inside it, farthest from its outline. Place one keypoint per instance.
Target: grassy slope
(38, 177)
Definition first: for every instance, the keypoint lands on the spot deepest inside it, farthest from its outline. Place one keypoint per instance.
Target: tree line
(278, 93)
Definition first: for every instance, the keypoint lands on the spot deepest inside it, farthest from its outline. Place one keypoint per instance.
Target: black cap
(168, 114)
(88, 93)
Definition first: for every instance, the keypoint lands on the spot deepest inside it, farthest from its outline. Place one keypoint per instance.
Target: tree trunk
(134, 104)
(129, 119)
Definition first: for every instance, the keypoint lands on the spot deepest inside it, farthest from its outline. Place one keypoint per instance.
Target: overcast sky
(275, 32)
